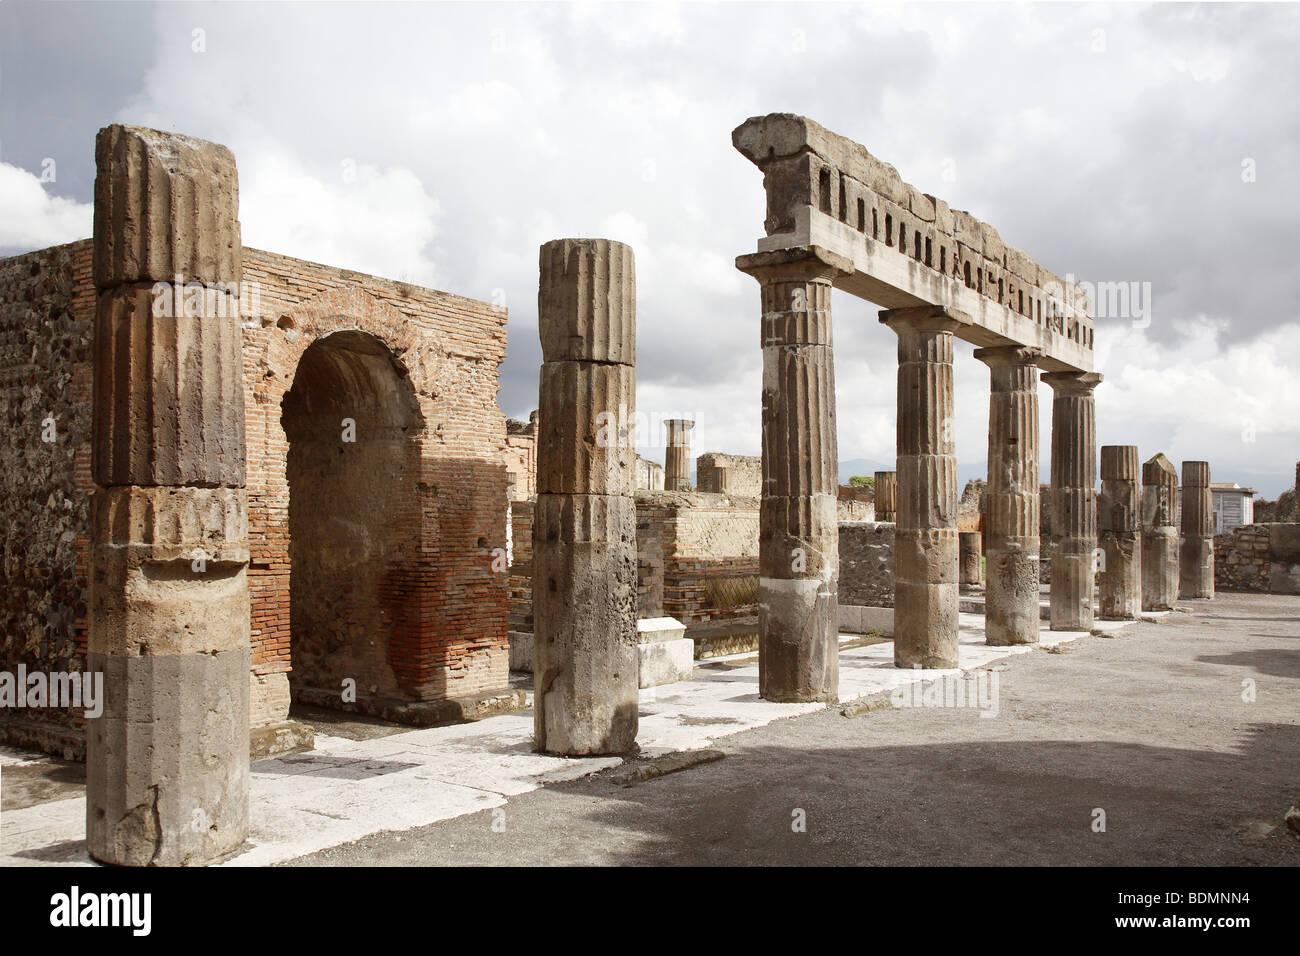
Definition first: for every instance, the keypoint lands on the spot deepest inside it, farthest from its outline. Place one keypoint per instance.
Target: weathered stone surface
(798, 537)
(1012, 509)
(167, 767)
(169, 392)
(1196, 556)
(1159, 534)
(677, 454)
(799, 421)
(1074, 499)
(586, 442)
(584, 615)
(925, 542)
(586, 301)
(866, 575)
(665, 662)
(1118, 511)
(886, 488)
(969, 552)
(167, 761)
(165, 205)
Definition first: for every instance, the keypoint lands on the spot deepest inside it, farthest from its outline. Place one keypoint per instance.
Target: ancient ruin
(839, 217)
(1196, 557)
(1159, 534)
(1118, 520)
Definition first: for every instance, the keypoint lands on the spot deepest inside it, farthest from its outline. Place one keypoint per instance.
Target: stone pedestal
(1012, 506)
(886, 495)
(1159, 535)
(969, 563)
(798, 530)
(677, 456)
(585, 657)
(665, 654)
(1117, 518)
(925, 539)
(1196, 557)
(1074, 499)
(167, 761)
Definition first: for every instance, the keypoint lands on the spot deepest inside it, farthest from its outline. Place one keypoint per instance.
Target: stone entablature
(909, 248)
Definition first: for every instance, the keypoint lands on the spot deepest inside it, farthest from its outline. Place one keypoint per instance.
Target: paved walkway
(347, 789)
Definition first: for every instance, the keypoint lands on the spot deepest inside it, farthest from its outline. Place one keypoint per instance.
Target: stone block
(586, 301)
(665, 661)
(586, 435)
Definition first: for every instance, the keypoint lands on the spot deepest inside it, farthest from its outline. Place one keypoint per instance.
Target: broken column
(585, 660)
(1117, 520)
(677, 456)
(925, 539)
(798, 539)
(970, 551)
(1074, 498)
(1159, 534)
(167, 761)
(1012, 499)
(1196, 557)
(886, 495)
(1297, 491)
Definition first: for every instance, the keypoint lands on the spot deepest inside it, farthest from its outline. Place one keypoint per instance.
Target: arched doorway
(352, 421)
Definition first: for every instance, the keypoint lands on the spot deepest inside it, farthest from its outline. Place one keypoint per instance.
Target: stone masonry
(584, 530)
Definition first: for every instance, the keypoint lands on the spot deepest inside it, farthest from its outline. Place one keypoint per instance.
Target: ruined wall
(521, 566)
(1263, 558)
(439, 612)
(521, 458)
(744, 474)
(855, 503)
(867, 563)
(47, 309)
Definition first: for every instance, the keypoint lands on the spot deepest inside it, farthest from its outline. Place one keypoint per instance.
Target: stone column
(1196, 557)
(585, 663)
(925, 538)
(1159, 535)
(1012, 498)
(886, 495)
(1117, 518)
(1074, 498)
(677, 456)
(970, 551)
(167, 760)
(798, 539)
(1297, 492)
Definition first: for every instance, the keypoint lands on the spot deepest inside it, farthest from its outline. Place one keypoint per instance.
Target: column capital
(805, 262)
(1072, 383)
(1004, 355)
(924, 318)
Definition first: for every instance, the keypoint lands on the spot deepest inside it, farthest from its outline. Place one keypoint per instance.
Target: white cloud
(32, 218)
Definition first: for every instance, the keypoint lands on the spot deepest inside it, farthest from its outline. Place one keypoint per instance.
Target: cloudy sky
(443, 143)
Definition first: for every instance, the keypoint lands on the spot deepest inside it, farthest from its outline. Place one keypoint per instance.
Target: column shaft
(1196, 556)
(925, 538)
(1074, 499)
(1117, 518)
(1012, 500)
(584, 532)
(1159, 535)
(886, 495)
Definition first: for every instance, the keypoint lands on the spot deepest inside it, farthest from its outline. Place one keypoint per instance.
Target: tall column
(584, 531)
(1074, 498)
(677, 456)
(925, 537)
(1117, 518)
(1159, 535)
(798, 538)
(1012, 500)
(167, 760)
(1196, 557)
(1297, 491)
(886, 495)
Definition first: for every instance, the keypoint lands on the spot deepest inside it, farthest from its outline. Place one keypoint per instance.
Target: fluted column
(585, 662)
(1117, 519)
(886, 495)
(925, 537)
(1159, 535)
(1074, 499)
(167, 760)
(1012, 499)
(798, 539)
(1196, 557)
(1297, 492)
(677, 455)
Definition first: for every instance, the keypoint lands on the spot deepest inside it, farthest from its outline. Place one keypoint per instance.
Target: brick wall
(440, 624)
